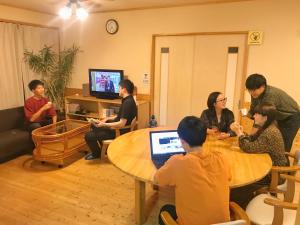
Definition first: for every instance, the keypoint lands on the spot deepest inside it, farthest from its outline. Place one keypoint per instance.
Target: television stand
(94, 106)
(107, 96)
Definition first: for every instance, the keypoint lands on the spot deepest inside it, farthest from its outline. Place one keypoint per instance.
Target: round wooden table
(131, 153)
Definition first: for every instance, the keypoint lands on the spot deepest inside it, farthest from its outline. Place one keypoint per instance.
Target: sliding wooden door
(188, 68)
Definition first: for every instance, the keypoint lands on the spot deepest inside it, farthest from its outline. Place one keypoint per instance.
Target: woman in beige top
(267, 139)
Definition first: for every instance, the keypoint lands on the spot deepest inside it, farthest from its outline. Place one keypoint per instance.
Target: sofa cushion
(13, 143)
(12, 118)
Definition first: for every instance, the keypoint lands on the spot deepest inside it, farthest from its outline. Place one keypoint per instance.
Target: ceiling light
(73, 6)
(65, 12)
(81, 13)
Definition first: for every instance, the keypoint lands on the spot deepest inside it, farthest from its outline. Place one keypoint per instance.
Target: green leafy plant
(55, 70)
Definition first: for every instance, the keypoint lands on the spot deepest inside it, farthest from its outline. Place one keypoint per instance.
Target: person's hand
(104, 119)
(99, 124)
(223, 135)
(47, 106)
(213, 130)
(237, 128)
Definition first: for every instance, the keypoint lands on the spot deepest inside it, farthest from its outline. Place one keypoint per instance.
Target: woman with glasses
(217, 117)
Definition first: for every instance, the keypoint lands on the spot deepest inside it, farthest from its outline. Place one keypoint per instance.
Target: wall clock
(112, 26)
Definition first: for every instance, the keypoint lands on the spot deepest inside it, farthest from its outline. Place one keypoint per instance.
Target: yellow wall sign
(255, 37)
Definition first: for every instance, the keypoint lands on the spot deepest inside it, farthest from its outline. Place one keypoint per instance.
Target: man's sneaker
(90, 157)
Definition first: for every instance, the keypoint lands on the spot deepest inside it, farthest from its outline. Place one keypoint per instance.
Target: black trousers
(35, 125)
(171, 209)
(243, 195)
(289, 128)
(32, 126)
(95, 137)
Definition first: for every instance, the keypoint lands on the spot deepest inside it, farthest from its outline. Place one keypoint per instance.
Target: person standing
(288, 116)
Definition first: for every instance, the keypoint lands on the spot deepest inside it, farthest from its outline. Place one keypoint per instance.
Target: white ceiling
(52, 6)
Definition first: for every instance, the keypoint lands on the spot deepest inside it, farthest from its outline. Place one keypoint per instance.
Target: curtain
(11, 84)
(14, 73)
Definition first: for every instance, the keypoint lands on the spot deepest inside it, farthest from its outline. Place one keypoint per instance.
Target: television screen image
(104, 81)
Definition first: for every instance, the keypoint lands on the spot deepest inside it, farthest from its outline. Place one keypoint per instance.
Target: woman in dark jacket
(217, 117)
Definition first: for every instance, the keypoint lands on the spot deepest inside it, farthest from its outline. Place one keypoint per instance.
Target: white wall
(130, 49)
(27, 16)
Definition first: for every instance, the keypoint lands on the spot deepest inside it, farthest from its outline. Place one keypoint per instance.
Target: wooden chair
(274, 188)
(265, 209)
(298, 213)
(106, 143)
(237, 214)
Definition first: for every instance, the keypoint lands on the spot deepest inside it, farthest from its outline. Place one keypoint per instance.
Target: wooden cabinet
(92, 107)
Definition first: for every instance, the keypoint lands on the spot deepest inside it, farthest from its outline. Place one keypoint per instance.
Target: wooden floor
(82, 193)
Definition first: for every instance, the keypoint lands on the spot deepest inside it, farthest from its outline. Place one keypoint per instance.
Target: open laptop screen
(165, 142)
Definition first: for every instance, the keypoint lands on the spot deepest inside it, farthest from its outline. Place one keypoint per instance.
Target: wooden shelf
(96, 106)
(94, 99)
(89, 115)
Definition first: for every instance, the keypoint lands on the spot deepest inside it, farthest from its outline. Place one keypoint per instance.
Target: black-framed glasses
(222, 100)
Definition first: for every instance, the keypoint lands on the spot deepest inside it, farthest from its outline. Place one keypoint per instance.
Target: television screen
(105, 83)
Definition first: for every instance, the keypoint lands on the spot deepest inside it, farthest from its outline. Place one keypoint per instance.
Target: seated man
(38, 109)
(102, 130)
(201, 179)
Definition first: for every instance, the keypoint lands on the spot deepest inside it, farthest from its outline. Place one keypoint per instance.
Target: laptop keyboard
(160, 161)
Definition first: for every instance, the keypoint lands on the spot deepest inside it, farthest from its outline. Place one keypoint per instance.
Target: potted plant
(55, 70)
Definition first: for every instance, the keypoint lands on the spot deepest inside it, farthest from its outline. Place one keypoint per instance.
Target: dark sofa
(14, 139)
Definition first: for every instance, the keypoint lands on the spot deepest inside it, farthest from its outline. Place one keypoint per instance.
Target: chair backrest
(289, 189)
(236, 222)
(298, 214)
(237, 214)
(297, 157)
(133, 124)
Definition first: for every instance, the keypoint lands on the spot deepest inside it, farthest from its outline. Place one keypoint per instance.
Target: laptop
(164, 144)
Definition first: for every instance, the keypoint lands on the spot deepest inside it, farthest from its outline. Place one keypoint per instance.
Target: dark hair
(255, 81)
(265, 109)
(192, 130)
(212, 98)
(128, 85)
(34, 83)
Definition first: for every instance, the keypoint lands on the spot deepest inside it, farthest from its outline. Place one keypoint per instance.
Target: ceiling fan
(93, 3)
(78, 7)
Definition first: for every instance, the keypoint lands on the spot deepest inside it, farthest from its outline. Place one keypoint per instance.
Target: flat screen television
(104, 83)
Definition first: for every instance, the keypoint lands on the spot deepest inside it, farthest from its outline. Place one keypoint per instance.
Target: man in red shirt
(38, 109)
